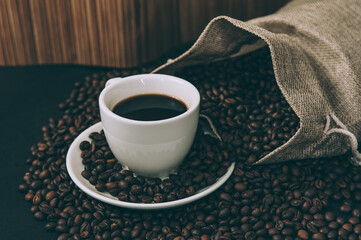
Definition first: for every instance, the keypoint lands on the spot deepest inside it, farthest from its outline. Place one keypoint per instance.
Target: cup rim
(103, 107)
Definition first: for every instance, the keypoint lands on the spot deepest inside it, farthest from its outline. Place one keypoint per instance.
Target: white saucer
(75, 167)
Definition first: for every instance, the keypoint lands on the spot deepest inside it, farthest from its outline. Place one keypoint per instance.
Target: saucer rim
(75, 168)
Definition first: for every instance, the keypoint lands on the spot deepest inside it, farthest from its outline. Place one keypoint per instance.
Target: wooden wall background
(114, 33)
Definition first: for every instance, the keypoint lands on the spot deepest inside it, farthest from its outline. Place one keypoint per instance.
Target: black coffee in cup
(149, 107)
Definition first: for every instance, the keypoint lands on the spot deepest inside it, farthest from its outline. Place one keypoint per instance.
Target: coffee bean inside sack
(207, 161)
(310, 199)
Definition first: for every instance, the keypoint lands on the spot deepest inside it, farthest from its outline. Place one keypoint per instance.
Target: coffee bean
(324, 230)
(357, 229)
(225, 197)
(354, 220)
(50, 226)
(318, 236)
(240, 187)
(302, 234)
(345, 208)
(136, 189)
(356, 212)
(24, 187)
(29, 196)
(273, 231)
(205, 237)
(317, 223)
(333, 225)
(311, 227)
(123, 185)
(348, 227)
(277, 237)
(210, 219)
(330, 216)
(63, 236)
(300, 199)
(342, 233)
(61, 228)
(50, 195)
(179, 238)
(224, 213)
(332, 234)
(340, 220)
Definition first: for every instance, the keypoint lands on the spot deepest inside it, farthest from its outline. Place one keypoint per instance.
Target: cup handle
(111, 81)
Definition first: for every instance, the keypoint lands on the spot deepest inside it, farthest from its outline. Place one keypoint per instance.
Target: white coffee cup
(149, 148)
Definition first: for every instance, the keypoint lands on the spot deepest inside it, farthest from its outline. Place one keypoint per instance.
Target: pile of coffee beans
(309, 199)
(245, 104)
(207, 160)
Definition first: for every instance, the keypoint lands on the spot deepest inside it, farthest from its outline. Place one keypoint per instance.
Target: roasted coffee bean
(347, 226)
(50, 226)
(61, 228)
(123, 185)
(158, 197)
(354, 220)
(340, 220)
(302, 234)
(345, 208)
(342, 233)
(45, 208)
(224, 213)
(357, 229)
(332, 234)
(356, 212)
(324, 230)
(318, 236)
(330, 216)
(64, 236)
(39, 215)
(301, 199)
(136, 189)
(240, 187)
(24, 187)
(333, 225)
(287, 231)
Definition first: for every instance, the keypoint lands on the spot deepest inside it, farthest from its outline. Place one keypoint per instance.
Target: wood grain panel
(113, 33)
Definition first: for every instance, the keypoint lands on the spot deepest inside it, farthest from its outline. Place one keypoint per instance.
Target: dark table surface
(29, 96)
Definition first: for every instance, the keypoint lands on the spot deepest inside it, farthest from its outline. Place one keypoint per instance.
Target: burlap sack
(315, 47)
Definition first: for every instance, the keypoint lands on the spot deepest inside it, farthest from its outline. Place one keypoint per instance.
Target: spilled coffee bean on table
(312, 199)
